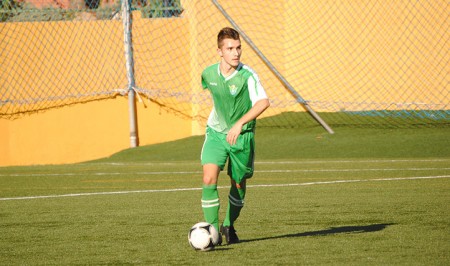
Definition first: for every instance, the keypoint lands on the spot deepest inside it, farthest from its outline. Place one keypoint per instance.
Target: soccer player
(239, 99)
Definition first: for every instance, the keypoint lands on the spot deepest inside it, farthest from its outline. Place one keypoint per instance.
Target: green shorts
(216, 150)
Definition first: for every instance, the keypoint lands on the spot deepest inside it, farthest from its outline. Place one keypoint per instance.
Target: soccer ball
(203, 236)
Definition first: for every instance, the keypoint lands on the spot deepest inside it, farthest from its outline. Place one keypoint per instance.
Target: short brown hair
(227, 33)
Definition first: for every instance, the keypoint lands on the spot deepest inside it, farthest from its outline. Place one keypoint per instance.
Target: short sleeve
(255, 89)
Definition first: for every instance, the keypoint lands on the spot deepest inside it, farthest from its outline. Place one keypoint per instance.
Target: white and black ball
(203, 236)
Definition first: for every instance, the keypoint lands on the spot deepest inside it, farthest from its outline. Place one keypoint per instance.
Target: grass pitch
(358, 197)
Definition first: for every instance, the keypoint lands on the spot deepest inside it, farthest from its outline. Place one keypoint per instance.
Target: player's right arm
(260, 102)
(258, 108)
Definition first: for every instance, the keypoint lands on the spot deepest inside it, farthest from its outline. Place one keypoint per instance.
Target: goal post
(128, 45)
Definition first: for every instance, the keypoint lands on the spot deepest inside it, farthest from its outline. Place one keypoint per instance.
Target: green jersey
(233, 96)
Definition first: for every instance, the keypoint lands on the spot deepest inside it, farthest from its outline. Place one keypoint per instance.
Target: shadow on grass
(331, 231)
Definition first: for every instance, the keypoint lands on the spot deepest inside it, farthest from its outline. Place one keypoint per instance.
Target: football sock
(211, 204)
(235, 204)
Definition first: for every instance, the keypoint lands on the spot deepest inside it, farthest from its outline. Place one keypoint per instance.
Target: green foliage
(8, 9)
(15, 11)
(159, 8)
(28, 13)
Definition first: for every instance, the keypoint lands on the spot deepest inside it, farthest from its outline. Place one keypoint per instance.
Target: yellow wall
(83, 132)
(385, 52)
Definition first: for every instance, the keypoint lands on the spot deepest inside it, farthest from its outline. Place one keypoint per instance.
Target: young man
(239, 99)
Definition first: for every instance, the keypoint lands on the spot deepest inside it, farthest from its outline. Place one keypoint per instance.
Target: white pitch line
(251, 186)
(101, 193)
(349, 170)
(352, 181)
(257, 171)
(353, 161)
(276, 162)
(105, 173)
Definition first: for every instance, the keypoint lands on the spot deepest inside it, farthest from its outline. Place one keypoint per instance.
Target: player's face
(230, 52)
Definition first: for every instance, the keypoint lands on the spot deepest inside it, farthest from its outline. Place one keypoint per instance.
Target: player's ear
(219, 51)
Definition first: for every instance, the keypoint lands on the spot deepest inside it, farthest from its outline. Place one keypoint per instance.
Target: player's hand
(234, 133)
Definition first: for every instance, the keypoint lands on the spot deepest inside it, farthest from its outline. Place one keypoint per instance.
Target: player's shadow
(331, 231)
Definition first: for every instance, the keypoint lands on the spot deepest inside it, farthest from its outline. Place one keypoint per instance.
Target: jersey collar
(232, 75)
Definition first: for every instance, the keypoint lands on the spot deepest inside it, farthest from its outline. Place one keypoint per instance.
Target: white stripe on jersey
(255, 88)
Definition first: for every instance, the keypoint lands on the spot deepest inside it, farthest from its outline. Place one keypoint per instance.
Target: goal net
(353, 62)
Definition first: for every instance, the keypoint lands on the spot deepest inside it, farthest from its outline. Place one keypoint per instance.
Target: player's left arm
(260, 103)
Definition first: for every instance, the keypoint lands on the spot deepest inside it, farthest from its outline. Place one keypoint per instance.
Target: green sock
(235, 204)
(211, 204)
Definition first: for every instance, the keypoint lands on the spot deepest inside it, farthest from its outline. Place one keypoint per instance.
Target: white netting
(350, 60)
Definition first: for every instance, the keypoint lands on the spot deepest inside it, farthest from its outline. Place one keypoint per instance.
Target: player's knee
(209, 180)
(210, 174)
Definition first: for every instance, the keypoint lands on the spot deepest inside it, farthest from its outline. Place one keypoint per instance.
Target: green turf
(314, 142)
(358, 197)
